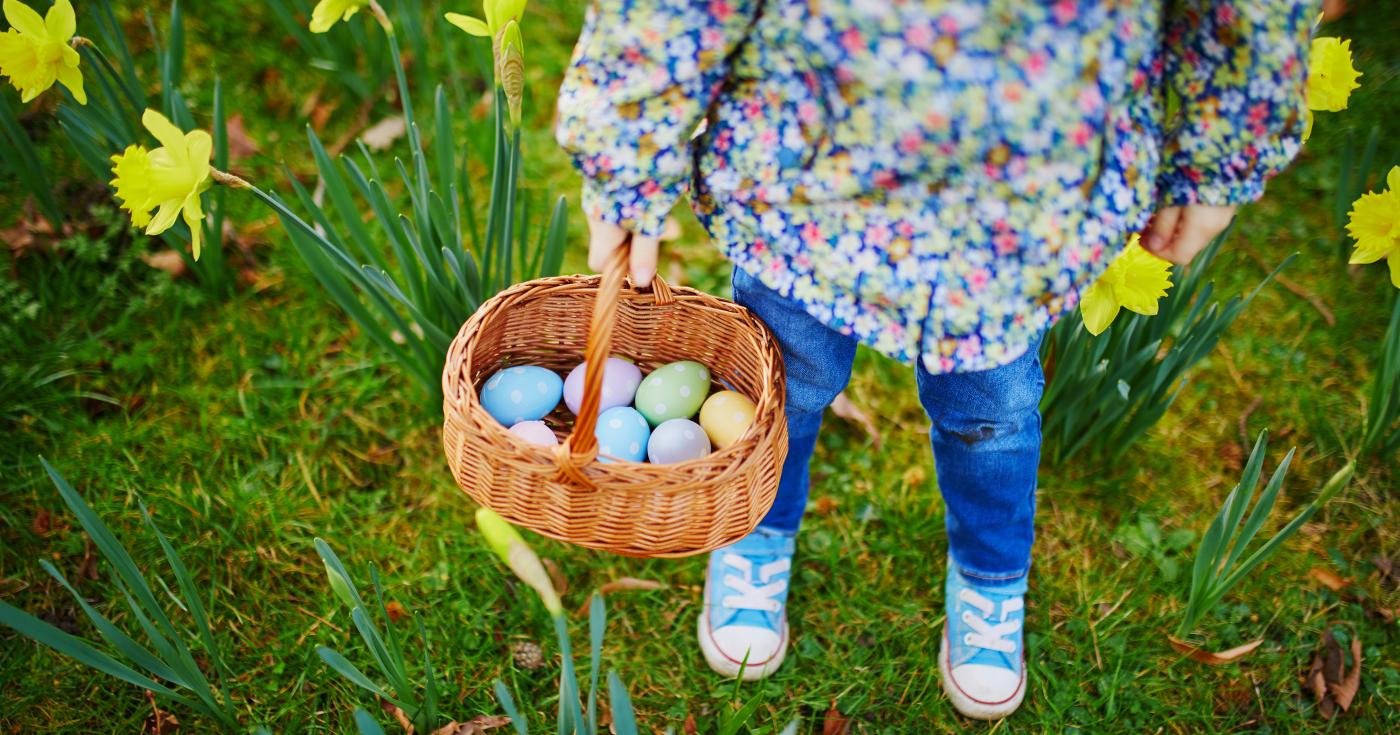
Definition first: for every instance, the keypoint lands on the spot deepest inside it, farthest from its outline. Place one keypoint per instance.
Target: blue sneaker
(743, 626)
(982, 658)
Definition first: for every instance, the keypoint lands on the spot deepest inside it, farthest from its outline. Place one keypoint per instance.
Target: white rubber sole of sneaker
(968, 706)
(728, 668)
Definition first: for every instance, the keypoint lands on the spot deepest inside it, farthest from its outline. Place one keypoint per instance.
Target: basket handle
(581, 448)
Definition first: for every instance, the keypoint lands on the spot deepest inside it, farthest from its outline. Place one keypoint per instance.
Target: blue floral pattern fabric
(939, 179)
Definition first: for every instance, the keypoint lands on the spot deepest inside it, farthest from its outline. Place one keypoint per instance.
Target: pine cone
(527, 655)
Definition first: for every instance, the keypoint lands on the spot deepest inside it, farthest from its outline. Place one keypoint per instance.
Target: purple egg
(620, 381)
(677, 440)
(535, 432)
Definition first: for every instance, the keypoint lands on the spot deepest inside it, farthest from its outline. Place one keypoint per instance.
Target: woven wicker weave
(635, 509)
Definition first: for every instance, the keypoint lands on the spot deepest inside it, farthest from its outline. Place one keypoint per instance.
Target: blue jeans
(985, 436)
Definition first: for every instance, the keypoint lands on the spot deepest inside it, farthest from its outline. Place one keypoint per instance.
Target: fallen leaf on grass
(1214, 658)
(630, 584)
(1390, 572)
(1333, 685)
(556, 576)
(690, 728)
(382, 134)
(477, 726)
(42, 523)
(240, 145)
(159, 722)
(87, 569)
(165, 260)
(1329, 579)
(395, 610)
(844, 408)
(835, 723)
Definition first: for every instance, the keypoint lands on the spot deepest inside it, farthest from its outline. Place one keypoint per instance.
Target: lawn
(252, 424)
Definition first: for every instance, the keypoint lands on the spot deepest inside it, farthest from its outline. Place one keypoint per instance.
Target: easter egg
(677, 440)
(521, 393)
(535, 432)
(673, 391)
(622, 435)
(620, 381)
(726, 415)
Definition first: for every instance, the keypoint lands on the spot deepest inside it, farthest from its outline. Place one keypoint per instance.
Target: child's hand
(1178, 233)
(604, 237)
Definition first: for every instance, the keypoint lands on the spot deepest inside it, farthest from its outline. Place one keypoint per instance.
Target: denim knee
(976, 408)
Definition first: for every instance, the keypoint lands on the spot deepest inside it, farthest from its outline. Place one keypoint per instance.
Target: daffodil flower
(1374, 222)
(1331, 76)
(329, 12)
(36, 52)
(169, 179)
(507, 544)
(498, 13)
(1135, 280)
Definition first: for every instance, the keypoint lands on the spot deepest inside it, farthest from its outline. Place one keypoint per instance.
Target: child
(937, 181)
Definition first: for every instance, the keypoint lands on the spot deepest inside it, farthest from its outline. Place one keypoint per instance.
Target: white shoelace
(984, 634)
(750, 595)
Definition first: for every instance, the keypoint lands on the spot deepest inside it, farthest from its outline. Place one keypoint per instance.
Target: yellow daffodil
(169, 179)
(498, 13)
(1374, 223)
(329, 12)
(1135, 280)
(36, 52)
(1331, 77)
(507, 544)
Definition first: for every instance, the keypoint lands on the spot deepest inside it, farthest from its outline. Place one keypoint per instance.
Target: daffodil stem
(223, 178)
(381, 16)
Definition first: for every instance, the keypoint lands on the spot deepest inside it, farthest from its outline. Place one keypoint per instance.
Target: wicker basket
(634, 509)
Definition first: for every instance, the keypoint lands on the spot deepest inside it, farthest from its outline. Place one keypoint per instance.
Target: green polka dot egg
(673, 391)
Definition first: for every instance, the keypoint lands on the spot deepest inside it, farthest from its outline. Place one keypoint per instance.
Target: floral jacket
(939, 179)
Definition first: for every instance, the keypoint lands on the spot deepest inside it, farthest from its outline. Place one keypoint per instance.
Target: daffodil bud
(506, 543)
(510, 68)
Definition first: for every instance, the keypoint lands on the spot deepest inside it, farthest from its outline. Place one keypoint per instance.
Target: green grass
(252, 425)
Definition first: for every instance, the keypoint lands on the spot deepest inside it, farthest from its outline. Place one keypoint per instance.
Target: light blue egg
(622, 435)
(521, 393)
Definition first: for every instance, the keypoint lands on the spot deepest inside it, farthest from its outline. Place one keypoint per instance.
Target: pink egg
(535, 432)
(620, 381)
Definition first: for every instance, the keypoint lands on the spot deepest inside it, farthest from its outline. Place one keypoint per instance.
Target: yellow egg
(725, 417)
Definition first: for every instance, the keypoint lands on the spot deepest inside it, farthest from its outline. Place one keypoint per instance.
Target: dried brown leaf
(848, 410)
(630, 584)
(556, 576)
(42, 523)
(1390, 571)
(396, 611)
(835, 723)
(1329, 579)
(384, 133)
(165, 260)
(477, 726)
(1333, 684)
(87, 569)
(240, 145)
(158, 722)
(1214, 658)
(690, 728)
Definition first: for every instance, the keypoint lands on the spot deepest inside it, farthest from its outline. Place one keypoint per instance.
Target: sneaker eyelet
(967, 639)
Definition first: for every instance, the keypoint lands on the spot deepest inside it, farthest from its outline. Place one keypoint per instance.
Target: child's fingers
(644, 251)
(603, 238)
(1160, 231)
(1199, 225)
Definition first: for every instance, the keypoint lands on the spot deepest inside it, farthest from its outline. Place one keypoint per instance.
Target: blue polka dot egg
(622, 435)
(521, 393)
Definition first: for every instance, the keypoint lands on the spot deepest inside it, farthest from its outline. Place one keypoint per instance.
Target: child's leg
(818, 362)
(742, 628)
(986, 445)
